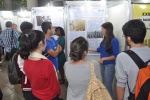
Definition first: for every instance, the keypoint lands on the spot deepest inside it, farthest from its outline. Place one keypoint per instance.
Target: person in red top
(39, 70)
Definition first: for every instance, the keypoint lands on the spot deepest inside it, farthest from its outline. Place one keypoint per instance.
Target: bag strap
(146, 63)
(92, 70)
(138, 61)
(12, 33)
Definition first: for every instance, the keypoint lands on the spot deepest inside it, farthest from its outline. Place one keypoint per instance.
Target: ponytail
(25, 46)
(29, 42)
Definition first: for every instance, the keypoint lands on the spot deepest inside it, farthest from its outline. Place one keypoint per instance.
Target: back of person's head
(62, 32)
(45, 26)
(26, 26)
(29, 42)
(77, 47)
(135, 29)
(8, 24)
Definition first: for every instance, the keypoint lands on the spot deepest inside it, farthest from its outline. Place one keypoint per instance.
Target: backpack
(142, 87)
(14, 73)
(96, 90)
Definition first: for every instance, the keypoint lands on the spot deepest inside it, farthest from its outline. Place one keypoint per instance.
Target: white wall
(119, 15)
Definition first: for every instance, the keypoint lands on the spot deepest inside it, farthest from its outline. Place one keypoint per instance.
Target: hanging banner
(142, 12)
(51, 14)
(85, 20)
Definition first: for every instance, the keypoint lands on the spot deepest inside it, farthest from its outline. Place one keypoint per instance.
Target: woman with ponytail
(39, 70)
(78, 70)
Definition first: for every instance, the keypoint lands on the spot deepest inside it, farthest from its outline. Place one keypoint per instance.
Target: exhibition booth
(84, 18)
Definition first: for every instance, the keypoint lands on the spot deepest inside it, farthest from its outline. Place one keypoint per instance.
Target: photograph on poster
(95, 34)
(77, 25)
(41, 19)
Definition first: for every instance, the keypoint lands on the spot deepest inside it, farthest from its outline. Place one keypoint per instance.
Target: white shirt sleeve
(20, 62)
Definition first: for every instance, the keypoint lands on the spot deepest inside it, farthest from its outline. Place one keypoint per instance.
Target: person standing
(61, 56)
(9, 39)
(25, 27)
(108, 49)
(52, 48)
(78, 71)
(15, 27)
(38, 68)
(126, 69)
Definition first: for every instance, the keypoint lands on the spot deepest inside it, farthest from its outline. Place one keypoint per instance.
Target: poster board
(85, 19)
(142, 12)
(6, 16)
(51, 14)
(23, 16)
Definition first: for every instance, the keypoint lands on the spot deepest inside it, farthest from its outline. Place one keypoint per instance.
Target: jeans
(108, 72)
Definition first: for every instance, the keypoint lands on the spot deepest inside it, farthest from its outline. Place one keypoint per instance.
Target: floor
(14, 92)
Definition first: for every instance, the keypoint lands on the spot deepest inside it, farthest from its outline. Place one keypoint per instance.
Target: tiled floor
(14, 92)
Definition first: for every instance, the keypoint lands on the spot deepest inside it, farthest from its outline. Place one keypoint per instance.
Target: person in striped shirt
(8, 39)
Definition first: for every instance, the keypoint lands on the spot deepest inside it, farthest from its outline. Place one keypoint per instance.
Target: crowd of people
(41, 57)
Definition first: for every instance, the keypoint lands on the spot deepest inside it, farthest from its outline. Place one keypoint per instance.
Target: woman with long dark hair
(108, 49)
(39, 70)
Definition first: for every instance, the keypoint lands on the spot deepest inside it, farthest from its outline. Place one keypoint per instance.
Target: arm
(106, 58)
(62, 43)
(50, 50)
(54, 53)
(92, 49)
(95, 50)
(115, 51)
(121, 76)
(120, 92)
(20, 62)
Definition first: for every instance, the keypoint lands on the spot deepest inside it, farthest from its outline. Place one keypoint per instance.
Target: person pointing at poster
(108, 49)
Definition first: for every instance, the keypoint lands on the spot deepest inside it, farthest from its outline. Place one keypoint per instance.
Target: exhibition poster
(23, 16)
(6, 16)
(86, 22)
(142, 12)
(50, 14)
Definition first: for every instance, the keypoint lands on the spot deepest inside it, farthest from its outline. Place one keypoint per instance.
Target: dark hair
(135, 29)
(62, 32)
(29, 41)
(26, 25)
(8, 24)
(109, 35)
(45, 26)
(77, 47)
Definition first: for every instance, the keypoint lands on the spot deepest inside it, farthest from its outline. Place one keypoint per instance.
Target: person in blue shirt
(108, 49)
(52, 48)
